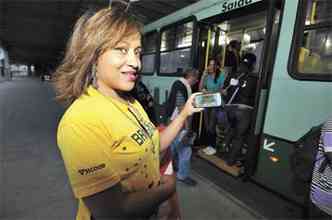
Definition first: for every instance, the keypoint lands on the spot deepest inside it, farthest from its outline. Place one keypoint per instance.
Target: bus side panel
(274, 171)
(296, 106)
(293, 108)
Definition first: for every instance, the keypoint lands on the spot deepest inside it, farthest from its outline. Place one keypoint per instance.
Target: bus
(292, 40)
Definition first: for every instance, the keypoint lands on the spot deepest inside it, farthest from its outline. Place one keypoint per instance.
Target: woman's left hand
(189, 107)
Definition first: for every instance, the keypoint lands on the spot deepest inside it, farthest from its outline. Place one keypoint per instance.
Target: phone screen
(208, 100)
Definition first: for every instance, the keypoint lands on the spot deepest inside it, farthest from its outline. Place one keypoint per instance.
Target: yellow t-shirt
(102, 143)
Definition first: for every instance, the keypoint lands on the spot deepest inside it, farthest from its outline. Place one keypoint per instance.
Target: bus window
(314, 55)
(175, 48)
(149, 52)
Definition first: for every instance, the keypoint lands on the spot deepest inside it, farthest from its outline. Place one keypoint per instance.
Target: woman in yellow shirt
(108, 144)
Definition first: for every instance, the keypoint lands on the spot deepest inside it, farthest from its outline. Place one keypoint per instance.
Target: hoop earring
(94, 76)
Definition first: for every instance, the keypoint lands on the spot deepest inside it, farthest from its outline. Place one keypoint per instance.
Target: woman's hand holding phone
(208, 100)
(190, 108)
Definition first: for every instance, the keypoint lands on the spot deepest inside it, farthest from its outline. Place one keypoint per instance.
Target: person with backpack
(181, 146)
(321, 184)
(239, 94)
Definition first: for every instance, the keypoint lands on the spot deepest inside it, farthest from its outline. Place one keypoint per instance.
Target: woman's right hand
(189, 108)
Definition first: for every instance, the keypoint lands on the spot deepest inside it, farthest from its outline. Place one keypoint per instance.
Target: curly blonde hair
(93, 34)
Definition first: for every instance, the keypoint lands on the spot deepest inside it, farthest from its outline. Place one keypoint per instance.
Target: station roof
(35, 31)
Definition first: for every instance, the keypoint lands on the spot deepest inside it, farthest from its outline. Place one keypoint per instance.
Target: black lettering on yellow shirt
(86, 171)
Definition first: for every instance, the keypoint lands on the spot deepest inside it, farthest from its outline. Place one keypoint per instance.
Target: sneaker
(188, 181)
(210, 151)
(207, 149)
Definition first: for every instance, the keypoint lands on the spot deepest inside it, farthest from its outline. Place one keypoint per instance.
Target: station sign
(221, 7)
(235, 4)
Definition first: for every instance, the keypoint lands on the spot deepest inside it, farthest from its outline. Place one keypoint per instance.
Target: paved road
(33, 181)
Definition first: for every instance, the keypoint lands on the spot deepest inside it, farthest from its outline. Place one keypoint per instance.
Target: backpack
(171, 100)
(302, 160)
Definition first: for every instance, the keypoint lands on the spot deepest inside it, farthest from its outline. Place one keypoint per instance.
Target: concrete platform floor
(33, 182)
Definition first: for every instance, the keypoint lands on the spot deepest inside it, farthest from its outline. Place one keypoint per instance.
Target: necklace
(138, 121)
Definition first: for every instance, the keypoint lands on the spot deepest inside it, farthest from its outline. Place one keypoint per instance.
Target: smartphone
(208, 100)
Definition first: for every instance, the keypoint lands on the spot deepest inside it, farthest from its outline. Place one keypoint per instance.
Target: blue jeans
(183, 153)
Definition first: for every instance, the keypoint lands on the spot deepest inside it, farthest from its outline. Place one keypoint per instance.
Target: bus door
(255, 28)
(265, 50)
